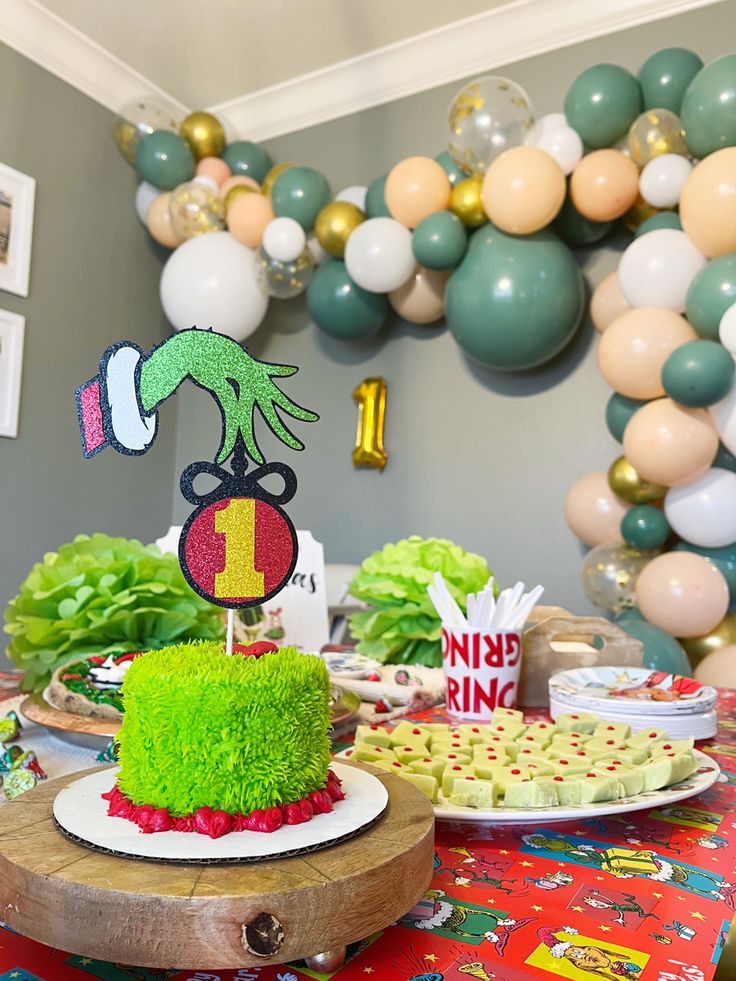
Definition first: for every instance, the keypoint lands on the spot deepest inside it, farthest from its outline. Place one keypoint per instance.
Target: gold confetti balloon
(195, 209)
(270, 179)
(626, 483)
(139, 118)
(204, 133)
(655, 132)
(283, 280)
(334, 225)
(609, 574)
(466, 201)
(485, 118)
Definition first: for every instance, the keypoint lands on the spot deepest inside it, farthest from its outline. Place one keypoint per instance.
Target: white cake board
(81, 814)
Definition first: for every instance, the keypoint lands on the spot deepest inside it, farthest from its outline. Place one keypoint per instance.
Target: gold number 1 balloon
(371, 398)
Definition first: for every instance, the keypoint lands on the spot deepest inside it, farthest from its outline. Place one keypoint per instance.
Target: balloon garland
(481, 235)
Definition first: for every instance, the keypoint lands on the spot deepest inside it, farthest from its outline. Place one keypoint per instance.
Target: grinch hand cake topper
(238, 548)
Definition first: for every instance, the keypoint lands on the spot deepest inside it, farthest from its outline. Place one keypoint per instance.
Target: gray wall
(480, 457)
(94, 279)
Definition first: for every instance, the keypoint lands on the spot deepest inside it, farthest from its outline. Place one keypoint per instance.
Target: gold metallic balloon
(237, 192)
(270, 179)
(721, 636)
(195, 209)
(139, 118)
(204, 133)
(371, 398)
(626, 482)
(655, 132)
(466, 202)
(334, 224)
(638, 213)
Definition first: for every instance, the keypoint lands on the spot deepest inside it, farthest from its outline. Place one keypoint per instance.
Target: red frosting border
(215, 824)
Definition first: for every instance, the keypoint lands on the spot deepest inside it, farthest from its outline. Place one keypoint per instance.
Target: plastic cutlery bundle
(484, 612)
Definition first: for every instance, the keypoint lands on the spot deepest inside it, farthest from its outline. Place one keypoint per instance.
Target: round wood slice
(183, 916)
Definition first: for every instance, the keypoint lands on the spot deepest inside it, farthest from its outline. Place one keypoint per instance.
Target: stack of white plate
(637, 696)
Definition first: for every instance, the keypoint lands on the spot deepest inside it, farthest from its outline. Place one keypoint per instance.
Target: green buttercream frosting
(202, 729)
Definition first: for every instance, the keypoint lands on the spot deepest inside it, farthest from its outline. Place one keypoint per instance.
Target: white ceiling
(205, 52)
(276, 66)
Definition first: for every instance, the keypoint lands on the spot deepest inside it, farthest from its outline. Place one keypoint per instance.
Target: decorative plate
(637, 690)
(703, 778)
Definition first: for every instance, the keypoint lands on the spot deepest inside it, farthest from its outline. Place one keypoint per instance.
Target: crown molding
(475, 45)
(500, 36)
(66, 52)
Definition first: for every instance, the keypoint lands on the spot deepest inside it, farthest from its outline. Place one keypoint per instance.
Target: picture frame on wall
(17, 196)
(12, 333)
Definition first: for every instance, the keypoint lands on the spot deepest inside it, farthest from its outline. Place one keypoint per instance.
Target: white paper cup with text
(481, 672)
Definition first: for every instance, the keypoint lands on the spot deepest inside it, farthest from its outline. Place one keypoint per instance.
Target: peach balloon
(523, 190)
(232, 182)
(668, 444)
(633, 350)
(214, 168)
(421, 299)
(158, 222)
(248, 217)
(718, 668)
(604, 185)
(708, 204)
(682, 593)
(607, 302)
(593, 511)
(416, 187)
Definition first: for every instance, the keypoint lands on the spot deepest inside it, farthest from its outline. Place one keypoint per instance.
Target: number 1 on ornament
(237, 522)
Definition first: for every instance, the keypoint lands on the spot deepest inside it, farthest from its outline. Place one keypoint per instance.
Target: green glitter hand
(237, 382)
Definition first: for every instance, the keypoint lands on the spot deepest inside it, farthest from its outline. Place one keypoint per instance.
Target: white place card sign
(298, 615)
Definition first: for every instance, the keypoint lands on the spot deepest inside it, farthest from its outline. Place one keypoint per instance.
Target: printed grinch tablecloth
(645, 898)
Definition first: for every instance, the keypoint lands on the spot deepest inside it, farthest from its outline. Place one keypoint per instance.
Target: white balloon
(208, 182)
(727, 329)
(355, 194)
(378, 255)
(144, 198)
(284, 239)
(209, 281)
(703, 512)
(663, 178)
(546, 124)
(656, 270)
(319, 255)
(723, 414)
(564, 146)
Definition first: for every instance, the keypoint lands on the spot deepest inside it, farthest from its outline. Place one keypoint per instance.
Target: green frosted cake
(234, 734)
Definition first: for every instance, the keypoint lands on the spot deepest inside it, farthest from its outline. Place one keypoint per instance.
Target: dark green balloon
(711, 293)
(663, 219)
(665, 76)
(375, 202)
(164, 159)
(574, 229)
(724, 559)
(247, 159)
(514, 303)
(455, 173)
(698, 373)
(724, 459)
(628, 613)
(645, 526)
(602, 103)
(708, 111)
(300, 193)
(439, 241)
(661, 652)
(619, 410)
(340, 307)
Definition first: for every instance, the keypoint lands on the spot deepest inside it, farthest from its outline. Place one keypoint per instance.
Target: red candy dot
(609, 742)
(396, 764)
(457, 768)
(516, 772)
(612, 768)
(574, 716)
(557, 778)
(470, 778)
(610, 729)
(580, 753)
(475, 729)
(427, 759)
(652, 735)
(667, 746)
(590, 774)
(451, 756)
(500, 728)
(374, 728)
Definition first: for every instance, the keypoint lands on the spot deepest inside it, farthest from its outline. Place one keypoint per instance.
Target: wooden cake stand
(161, 915)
